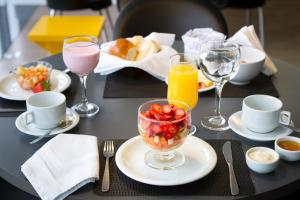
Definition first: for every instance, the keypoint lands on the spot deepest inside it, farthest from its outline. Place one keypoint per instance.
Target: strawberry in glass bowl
(34, 76)
(164, 125)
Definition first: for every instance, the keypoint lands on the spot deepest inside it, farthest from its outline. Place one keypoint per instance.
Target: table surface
(117, 120)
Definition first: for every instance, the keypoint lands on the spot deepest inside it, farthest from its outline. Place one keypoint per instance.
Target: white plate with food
(10, 88)
(235, 123)
(130, 160)
(203, 83)
(30, 129)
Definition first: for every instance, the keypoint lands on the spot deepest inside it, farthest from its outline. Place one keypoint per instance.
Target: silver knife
(228, 157)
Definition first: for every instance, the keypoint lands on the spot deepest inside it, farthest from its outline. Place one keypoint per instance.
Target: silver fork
(108, 151)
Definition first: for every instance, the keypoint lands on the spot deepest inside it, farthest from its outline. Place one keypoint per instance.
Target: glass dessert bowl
(33, 75)
(164, 125)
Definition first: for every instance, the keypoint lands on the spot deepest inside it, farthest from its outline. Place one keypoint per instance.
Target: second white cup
(46, 110)
(262, 113)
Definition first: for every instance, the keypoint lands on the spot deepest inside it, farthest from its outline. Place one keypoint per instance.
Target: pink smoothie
(81, 57)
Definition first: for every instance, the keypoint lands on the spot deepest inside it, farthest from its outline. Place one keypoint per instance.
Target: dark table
(117, 120)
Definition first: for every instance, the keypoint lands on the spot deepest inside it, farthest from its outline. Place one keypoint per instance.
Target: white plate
(30, 129)
(201, 159)
(10, 89)
(200, 74)
(235, 123)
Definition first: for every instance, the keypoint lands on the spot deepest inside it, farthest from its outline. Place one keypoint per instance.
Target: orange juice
(183, 84)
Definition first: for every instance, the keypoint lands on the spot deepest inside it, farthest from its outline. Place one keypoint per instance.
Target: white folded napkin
(157, 64)
(63, 165)
(247, 36)
(193, 40)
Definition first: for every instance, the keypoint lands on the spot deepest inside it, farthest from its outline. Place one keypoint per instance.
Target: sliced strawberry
(170, 131)
(179, 113)
(167, 109)
(174, 108)
(156, 129)
(164, 127)
(173, 129)
(148, 114)
(156, 108)
(158, 117)
(145, 124)
(176, 117)
(41, 86)
(168, 136)
(167, 117)
(152, 113)
(38, 88)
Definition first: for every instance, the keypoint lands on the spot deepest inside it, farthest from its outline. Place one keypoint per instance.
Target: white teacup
(46, 110)
(262, 113)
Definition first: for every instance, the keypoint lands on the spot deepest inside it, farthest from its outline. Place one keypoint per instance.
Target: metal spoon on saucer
(291, 127)
(64, 124)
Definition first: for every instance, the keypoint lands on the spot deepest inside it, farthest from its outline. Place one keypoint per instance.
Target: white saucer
(235, 123)
(200, 157)
(30, 129)
(10, 89)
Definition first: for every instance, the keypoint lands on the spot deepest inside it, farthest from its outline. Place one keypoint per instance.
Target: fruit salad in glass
(34, 76)
(164, 125)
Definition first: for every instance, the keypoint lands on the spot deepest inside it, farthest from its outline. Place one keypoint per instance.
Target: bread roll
(124, 49)
(137, 40)
(147, 48)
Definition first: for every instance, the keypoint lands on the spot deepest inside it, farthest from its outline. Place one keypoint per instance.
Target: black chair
(121, 4)
(141, 17)
(248, 5)
(219, 3)
(62, 5)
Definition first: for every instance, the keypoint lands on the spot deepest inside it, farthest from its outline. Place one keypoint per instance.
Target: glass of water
(218, 62)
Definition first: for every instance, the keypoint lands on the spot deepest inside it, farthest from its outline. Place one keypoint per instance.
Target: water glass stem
(84, 100)
(219, 88)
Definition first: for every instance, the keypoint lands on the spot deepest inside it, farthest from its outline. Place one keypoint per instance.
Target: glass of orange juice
(183, 81)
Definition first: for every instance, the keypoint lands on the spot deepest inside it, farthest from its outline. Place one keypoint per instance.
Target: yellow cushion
(49, 32)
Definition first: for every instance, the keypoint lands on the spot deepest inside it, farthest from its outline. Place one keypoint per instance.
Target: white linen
(247, 36)
(193, 40)
(63, 165)
(157, 64)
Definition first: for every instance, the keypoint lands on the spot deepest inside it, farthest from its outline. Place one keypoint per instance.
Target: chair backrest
(245, 3)
(141, 17)
(78, 4)
(219, 3)
(121, 3)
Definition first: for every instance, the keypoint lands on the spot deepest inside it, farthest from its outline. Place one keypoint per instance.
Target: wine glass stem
(219, 87)
(84, 100)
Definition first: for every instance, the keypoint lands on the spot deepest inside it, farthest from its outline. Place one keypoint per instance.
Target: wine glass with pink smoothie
(81, 56)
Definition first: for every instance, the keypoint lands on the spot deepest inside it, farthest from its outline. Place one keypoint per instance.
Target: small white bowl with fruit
(164, 126)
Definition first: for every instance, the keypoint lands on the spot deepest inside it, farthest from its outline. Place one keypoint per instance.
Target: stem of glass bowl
(165, 156)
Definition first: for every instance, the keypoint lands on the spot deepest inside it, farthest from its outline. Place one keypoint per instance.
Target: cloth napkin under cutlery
(63, 165)
(156, 64)
(247, 36)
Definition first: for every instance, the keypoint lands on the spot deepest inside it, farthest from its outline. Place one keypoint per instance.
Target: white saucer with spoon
(30, 129)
